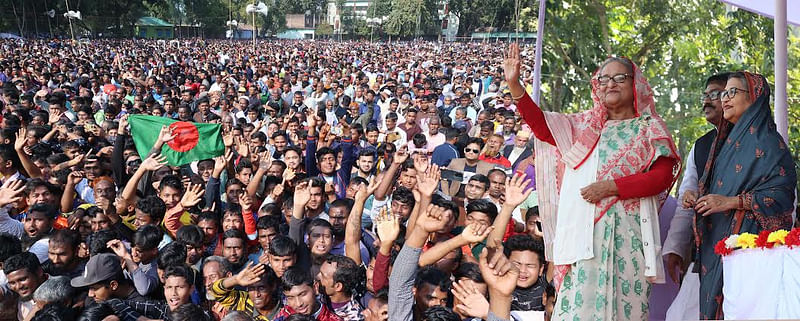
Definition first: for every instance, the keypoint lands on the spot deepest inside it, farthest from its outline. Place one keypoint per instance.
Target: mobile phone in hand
(453, 176)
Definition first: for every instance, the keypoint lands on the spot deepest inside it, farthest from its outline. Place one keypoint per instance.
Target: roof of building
(152, 22)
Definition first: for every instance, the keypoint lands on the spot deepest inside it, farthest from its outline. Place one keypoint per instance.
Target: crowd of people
(359, 181)
(342, 162)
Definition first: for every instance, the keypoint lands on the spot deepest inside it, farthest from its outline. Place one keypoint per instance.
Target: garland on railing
(764, 240)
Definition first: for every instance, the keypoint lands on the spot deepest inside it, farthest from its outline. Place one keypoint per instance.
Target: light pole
(372, 22)
(71, 31)
(253, 9)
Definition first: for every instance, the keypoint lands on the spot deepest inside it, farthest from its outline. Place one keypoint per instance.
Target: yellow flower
(746, 241)
(778, 237)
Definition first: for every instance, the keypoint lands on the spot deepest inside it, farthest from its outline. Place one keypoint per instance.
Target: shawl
(576, 135)
(752, 159)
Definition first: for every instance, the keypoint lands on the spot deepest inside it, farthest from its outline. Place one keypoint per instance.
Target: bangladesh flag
(193, 141)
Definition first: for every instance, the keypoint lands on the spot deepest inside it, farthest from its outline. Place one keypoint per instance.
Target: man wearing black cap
(105, 280)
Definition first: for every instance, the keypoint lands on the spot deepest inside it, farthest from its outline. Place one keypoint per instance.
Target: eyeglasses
(730, 93)
(618, 78)
(470, 150)
(714, 95)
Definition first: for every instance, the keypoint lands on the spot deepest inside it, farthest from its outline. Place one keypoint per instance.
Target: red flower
(761, 240)
(721, 249)
(793, 238)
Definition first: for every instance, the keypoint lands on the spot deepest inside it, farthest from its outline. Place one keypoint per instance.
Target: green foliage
(410, 18)
(495, 14)
(324, 29)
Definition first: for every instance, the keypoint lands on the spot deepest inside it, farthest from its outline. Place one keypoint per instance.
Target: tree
(410, 18)
(324, 29)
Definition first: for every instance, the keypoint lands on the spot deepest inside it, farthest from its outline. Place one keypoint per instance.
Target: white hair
(55, 289)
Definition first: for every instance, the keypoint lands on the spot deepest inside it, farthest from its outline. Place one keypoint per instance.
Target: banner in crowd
(193, 141)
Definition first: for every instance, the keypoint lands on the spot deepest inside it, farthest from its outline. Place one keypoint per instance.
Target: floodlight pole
(254, 30)
(71, 31)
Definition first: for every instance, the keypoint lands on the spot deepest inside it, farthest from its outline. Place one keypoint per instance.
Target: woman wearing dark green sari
(748, 185)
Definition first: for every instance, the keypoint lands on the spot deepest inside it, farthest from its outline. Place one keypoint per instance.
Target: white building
(361, 10)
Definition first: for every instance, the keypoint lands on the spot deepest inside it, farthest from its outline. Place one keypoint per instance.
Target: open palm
(512, 63)
(387, 226)
(516, 190)
(428, 182)
(472, 302)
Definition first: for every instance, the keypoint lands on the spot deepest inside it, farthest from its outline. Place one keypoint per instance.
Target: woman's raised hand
(512, 64)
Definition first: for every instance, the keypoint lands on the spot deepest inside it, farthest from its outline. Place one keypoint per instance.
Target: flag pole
(537, 66)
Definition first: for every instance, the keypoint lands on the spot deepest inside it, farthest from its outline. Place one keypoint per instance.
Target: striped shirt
(237, 300)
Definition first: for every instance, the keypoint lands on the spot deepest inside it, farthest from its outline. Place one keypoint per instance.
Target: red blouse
(657, 179)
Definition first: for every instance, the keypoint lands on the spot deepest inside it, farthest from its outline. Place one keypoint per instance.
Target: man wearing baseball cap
(104, 278)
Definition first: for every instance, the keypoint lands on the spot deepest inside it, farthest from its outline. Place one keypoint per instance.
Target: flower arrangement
(764, 240)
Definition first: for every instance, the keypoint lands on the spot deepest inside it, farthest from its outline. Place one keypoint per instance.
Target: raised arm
(27, 164)
(388, 177)
(347, 162)
(473, 233)
(427, 182)
(263, 166)
(54, 116)
(190, 198)
(151, 163)
(352, 236)
(250, 274)
(212, 195)
(164, 136)
(516, 193)
(118, 152)
(532, 114)
(311, 148)
(501, 277)
(401, 282)
(68, 197)
(302, 195)
(387, 226)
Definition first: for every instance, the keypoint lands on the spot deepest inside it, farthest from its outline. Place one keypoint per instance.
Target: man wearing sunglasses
(678, 245)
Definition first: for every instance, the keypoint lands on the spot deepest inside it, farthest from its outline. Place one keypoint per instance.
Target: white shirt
(10, 225)
(434, 141)
(679, 236)
(40, 248)
(515, 153)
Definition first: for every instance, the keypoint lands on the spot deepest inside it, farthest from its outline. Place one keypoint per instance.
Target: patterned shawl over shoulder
(576, 135)
(751, 158)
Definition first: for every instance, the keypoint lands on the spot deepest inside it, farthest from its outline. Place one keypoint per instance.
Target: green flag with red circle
(192, 142)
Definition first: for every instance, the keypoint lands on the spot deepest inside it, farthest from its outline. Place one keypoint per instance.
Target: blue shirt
(443, 153)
